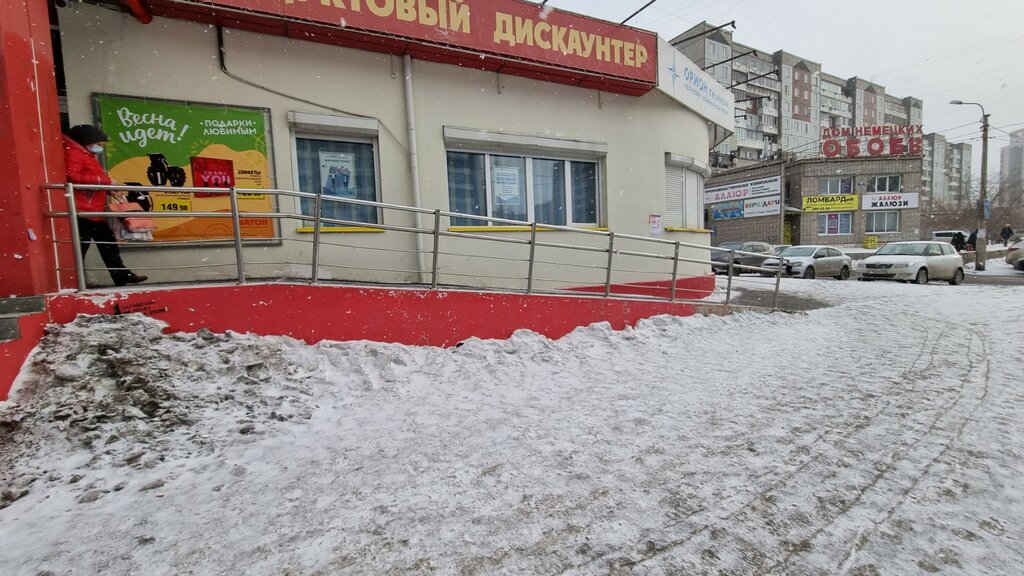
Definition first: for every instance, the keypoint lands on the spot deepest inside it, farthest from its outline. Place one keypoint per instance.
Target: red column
(30, 152)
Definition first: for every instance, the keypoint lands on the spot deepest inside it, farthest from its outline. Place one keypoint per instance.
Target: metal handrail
(318, 220)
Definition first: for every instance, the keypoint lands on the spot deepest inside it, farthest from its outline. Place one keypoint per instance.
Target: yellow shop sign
(830, 203)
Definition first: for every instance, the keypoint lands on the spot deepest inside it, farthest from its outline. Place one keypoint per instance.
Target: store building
(497, 109)
(836, 201)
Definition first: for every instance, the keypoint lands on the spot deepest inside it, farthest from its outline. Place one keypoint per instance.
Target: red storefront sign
(507, 30)
(862, 141)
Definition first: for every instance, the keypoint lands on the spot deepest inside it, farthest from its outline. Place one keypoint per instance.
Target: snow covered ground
(879, 435)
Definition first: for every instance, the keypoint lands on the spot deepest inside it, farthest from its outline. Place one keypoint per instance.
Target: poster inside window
(172, 144)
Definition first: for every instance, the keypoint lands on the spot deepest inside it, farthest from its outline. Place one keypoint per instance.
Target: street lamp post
(979, 248)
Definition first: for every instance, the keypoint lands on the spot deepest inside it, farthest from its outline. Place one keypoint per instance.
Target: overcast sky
(935, 50)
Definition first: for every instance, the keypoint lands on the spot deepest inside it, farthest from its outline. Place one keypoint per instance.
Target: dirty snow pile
(878, 435)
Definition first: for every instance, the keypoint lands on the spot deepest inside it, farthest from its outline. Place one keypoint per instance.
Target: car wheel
(958, 277)
(809, 273)
(922, 276)
(843, 274)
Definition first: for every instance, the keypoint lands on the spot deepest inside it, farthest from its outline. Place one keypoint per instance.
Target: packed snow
(881, 434)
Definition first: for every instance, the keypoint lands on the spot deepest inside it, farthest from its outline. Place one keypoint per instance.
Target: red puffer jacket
(81, 167)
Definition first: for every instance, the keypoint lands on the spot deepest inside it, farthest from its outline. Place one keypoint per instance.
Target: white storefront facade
(386, 116)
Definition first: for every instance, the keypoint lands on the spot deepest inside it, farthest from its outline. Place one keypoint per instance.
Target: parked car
(918, 261)
(1015, 255)
(812, 261)
(758, 252)
(947, 235)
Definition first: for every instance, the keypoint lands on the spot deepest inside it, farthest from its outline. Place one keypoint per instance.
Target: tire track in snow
(751, 508)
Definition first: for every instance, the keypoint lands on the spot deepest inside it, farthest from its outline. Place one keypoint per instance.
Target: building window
(337, 168)
(835, 223)
(884, 183)
(882, 221)
(835, 186)
(545, 190)
(336, 158)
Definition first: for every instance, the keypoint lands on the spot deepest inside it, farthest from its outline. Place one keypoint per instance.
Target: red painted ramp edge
(325, 312)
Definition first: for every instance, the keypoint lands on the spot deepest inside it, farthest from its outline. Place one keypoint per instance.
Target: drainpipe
(139, 10)
(414, 167)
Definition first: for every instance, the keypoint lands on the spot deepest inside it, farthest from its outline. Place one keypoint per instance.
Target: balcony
(748, 143)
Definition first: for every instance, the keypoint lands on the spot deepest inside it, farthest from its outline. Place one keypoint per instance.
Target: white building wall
(110, 52)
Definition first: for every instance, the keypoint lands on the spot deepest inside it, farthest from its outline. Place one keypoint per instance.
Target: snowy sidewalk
(879, 435)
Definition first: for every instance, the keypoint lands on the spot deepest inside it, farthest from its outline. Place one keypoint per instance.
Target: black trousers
(99, 232)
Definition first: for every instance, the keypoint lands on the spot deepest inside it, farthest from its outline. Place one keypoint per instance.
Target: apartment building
(946, 176)
(1011, 174)
(783, 101)
(788, 107)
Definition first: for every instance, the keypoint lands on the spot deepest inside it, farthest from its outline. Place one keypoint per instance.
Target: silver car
(811, 262)
(913, 261)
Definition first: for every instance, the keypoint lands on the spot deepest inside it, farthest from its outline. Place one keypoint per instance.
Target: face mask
(94, 148)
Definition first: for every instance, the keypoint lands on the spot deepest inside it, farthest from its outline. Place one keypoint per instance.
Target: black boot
(130, 278)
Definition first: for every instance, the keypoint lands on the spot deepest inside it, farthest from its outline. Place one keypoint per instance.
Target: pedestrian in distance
(959, 241)
(972, 240)
(81, 145)
(1005, 234)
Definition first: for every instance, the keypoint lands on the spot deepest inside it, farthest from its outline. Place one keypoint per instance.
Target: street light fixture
(980, 241)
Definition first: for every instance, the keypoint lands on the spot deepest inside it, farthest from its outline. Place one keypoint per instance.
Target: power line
(642, 8)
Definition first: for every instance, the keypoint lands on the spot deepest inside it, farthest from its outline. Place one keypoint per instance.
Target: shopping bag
(131, 222)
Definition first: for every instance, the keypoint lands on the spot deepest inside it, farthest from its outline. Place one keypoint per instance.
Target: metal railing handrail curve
(435, 231)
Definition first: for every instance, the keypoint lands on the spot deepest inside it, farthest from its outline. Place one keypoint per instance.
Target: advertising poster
(337, 174)
(169, 144)
(750, 189)
(654, 221)
(506, 186)
(727, 210)
(832, 224)
(762, 207)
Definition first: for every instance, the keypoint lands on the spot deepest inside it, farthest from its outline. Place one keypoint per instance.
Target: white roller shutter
(693, 211)
(673, 216)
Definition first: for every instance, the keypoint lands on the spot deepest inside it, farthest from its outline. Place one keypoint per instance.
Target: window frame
(871, 185)
(871, 216)
(824, 215)
(837, 179)
(345, 129)
(528, 176)
(490, 142)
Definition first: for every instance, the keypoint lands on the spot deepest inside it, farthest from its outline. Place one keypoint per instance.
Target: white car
(1015, 255)
(919, 262)
(811, 262)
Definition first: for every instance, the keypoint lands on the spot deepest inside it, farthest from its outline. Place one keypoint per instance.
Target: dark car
(747, 254)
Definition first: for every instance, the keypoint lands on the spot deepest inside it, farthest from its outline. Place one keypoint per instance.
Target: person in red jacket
(81, 144)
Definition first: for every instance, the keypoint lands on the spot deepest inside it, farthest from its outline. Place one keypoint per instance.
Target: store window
(884, 183)
(522, 177)
(835, 186)
(524, 188)
(882, 222)
(335, 157)
(835, 223)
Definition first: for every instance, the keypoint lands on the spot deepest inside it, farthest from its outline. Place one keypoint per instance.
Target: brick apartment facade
(881, 202)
